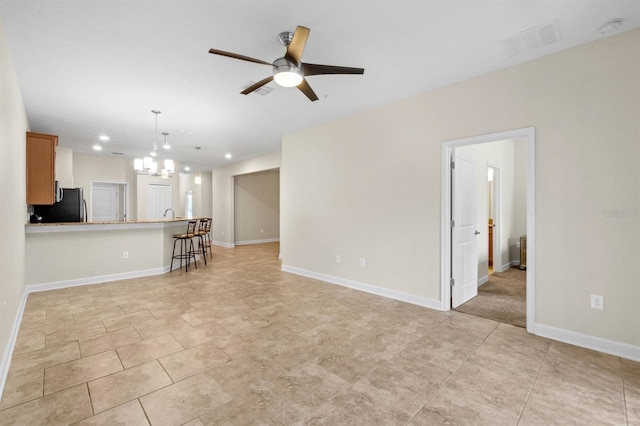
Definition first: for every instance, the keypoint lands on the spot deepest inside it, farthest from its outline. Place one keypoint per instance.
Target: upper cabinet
(41, 170)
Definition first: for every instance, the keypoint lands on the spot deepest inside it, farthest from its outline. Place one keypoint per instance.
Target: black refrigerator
(71, 208)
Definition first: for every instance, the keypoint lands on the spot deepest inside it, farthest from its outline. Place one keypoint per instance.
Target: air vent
(262, 91)
(531, 39)
(118, 153)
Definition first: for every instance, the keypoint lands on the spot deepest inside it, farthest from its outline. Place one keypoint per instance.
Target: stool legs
(202, 248)
(187, 251)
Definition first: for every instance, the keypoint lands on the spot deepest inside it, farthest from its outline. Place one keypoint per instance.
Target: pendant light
(148, 165)
(198, 180)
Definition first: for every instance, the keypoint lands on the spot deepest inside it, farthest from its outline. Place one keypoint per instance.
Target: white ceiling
(93, 67)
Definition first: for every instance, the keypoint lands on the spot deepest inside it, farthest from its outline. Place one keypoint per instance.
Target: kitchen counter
(68, 254)
(38, 228)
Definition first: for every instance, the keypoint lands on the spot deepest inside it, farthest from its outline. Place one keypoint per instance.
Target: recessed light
(227, 156)
(103, 138)
(187, 168)
(97, 147)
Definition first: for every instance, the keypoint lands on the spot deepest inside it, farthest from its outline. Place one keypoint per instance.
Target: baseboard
(266, 240)
(611, 347)
(55, 285)
(368, 288)
(483, 280)
(5, 363)
(223, 244)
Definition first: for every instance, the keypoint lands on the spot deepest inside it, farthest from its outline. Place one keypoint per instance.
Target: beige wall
(102, 168)
(142, 196)
(64, 167)
(520, 202)
(13, 125)
(201, 195)
(257, 207)
(222, 190)
(369, 185)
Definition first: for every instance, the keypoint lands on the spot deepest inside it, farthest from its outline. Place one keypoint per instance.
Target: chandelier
(149, 165)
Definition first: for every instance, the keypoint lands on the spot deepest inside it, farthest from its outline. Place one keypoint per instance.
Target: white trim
(483, 280)
(531, 229)
(528, 134)
(367, 288)
(611, 347)
(55, 285)
(223, 244)
(497, 213)
(232, 209)
(510, 264)
(266, 240)
(5, 363)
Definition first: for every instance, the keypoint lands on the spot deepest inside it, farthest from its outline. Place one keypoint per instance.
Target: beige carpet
(502, 298)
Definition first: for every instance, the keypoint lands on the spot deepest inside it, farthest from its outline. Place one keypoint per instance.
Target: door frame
(497, 215)
(527, 134)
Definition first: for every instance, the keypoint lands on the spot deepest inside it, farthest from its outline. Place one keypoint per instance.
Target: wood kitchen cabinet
(41, 173)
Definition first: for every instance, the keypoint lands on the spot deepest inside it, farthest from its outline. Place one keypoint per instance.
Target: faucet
(173, 213)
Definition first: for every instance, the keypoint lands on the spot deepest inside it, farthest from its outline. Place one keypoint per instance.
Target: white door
(464, 246)
(159, 200)
(105, 203)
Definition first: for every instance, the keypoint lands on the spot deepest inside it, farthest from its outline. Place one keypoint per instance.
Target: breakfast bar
(68, 254)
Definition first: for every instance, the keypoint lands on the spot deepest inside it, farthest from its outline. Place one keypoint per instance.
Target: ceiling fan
(289, 70)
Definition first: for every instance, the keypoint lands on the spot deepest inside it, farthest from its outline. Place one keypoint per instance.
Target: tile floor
(239, 342)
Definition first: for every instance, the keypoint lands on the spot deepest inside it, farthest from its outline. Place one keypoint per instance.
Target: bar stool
(207, 237)
(204, 234)
(200, 234)
(186, 246)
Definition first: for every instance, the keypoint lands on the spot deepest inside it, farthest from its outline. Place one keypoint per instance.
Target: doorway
(449, 262)
(108, 201)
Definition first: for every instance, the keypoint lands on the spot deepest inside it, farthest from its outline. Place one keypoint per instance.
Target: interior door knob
(477, 232)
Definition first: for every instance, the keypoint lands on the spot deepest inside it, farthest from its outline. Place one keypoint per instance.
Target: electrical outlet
(338, 259)
(125, 254)
(597, 301)
(362, 261)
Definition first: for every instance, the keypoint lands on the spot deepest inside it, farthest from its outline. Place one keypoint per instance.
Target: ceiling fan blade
(298, 42)
(257, 85)
(236, 56)
(307, 90)
(315, 69)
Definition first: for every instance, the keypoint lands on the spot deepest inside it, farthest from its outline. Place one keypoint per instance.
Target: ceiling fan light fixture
(286, 74)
